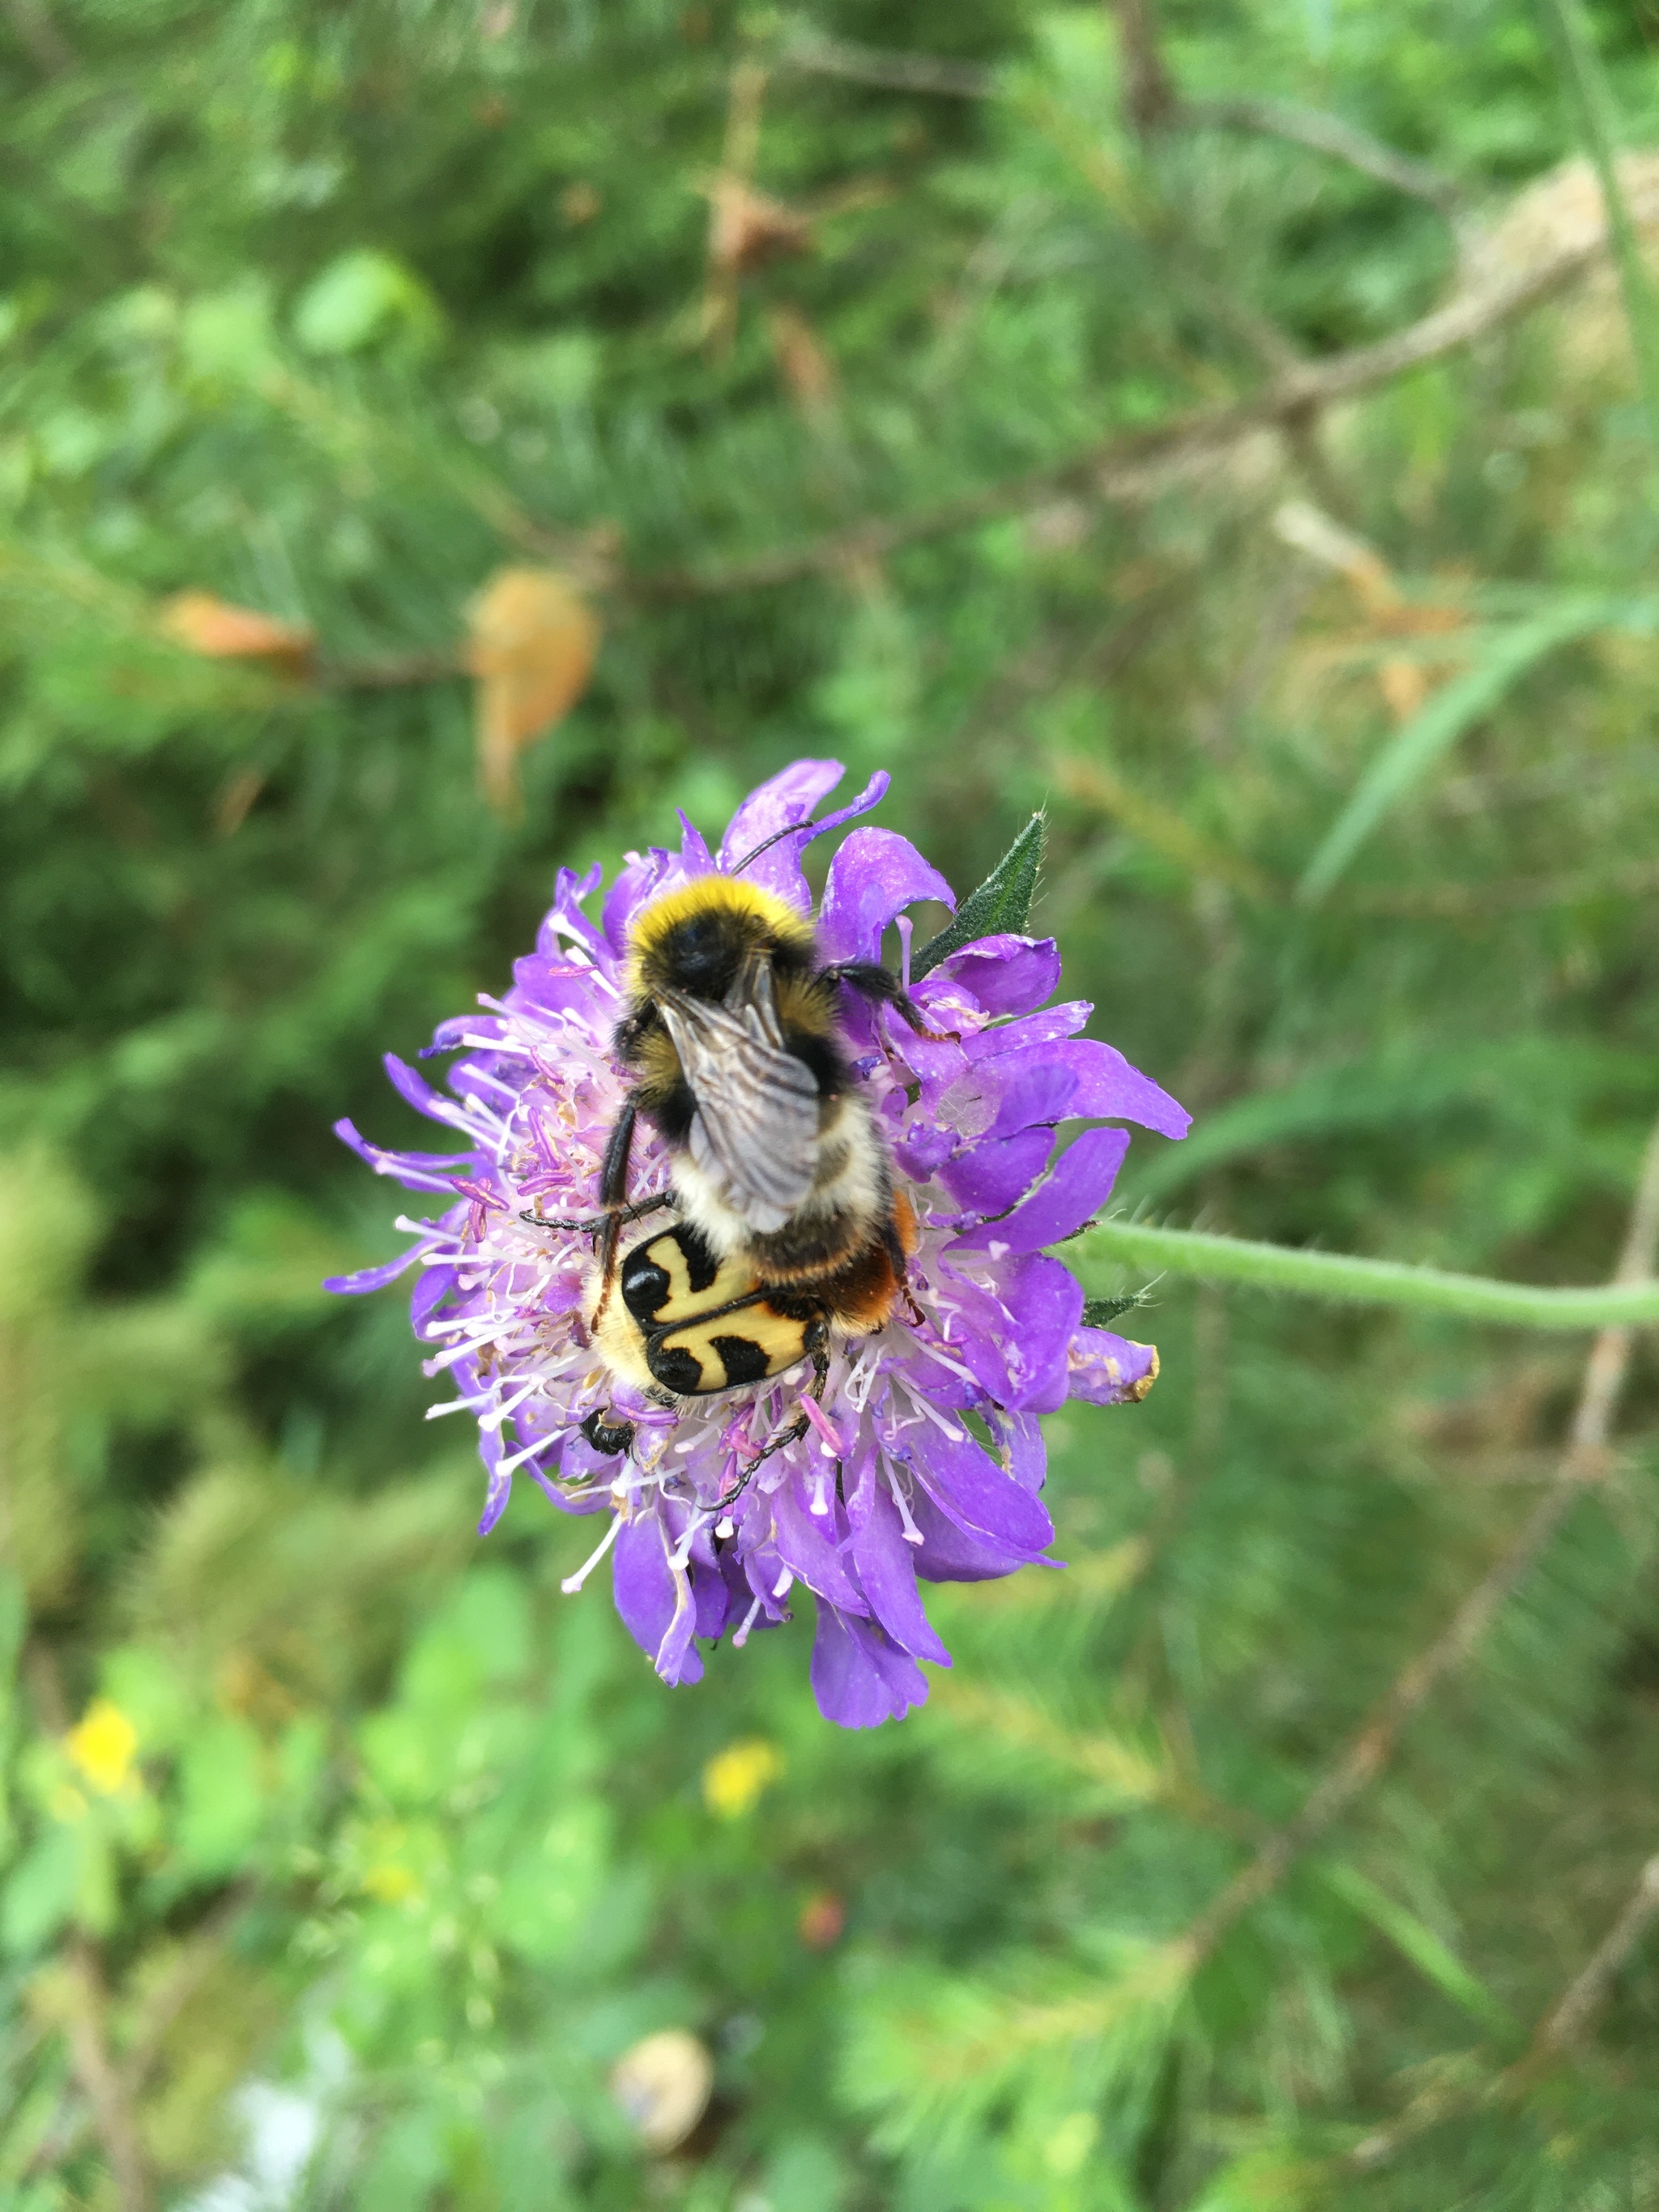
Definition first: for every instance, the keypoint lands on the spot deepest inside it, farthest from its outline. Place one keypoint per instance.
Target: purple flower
(893, 1479)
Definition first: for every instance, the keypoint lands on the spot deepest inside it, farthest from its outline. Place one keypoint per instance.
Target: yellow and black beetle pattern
(689, 1325)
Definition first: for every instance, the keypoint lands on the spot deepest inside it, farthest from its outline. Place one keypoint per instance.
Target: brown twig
(112, 2114)
(889, 71)
(1578, 2003)
(1150, 102)
(1327, 134)
(1584, 1463)
(202, 1948)
(1145, 461)
(1320, 133)
(38, 33)
(1561, 2027)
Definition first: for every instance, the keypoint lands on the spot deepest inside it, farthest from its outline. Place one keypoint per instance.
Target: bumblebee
(733, 1045)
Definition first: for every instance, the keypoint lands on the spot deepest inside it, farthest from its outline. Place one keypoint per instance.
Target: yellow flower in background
(734, 1778)
(389, 1883)
(101, 1744)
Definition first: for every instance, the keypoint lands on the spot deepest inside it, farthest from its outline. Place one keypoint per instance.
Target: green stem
(1111, 1245)
(1594, 102)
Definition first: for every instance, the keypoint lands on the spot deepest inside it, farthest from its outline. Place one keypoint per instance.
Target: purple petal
(924, 1148)
(643, 1583)
(1035, 1094)
(784, 798)
(887, 1573)
(1047, 1301)
(415, 1170)
(1005, 975)
(1108, 1088)
(637, 884)
(872, 879)
(553, 987)
(949, 1553)
(859, 1678)
(1020, 1439)
(988, 1178)
(695, 858)
(1021, 1038)
(1104, 1370)
(711, 1596)
(501, 1486)
(806, 1545)
(967, 1485)
(565, 918)
(373, 1279)
(1081, 1183)
(418, 1092)
(429, 1295)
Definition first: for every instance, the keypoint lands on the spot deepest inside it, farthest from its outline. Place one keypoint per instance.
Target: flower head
(891, 1478)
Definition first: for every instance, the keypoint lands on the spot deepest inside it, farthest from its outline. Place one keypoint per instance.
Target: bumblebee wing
(755, 1131)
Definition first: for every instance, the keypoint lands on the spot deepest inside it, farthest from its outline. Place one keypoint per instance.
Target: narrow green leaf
(1340, 1278)
(1099, 1313)
(1414, 748)
(1002, 903)
(1416, 1941)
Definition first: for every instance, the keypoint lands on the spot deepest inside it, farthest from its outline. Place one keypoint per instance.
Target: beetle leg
(622, 1215)
(791, 1434)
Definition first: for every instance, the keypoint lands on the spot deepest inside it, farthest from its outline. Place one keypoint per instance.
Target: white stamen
(726, 1527)
(912, 1534)
(572, 1584)
(780, 1588)
(742, 1636)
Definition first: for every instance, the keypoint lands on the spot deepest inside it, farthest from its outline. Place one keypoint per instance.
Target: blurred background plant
(436, 441)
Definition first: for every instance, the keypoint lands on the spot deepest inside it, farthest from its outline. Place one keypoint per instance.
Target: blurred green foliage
(342, 1857)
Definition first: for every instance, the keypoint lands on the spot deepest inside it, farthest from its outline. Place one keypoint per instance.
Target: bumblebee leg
(607, 1437)
(882, 987)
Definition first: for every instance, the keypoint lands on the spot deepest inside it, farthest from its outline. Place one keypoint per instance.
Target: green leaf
(359, 298)
(1416, 1941)
(1415, 747)
(1101, 1313)
(1001, 904)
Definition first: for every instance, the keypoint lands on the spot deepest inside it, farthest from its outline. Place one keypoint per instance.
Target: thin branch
(1583, 1463)
(1143, 462)
(37, 33)
(1151, 103)
(888, 71)
(1594, 102)
(1578, 2003)
(1561, 2026)
(1318, 133)
(1327, 134)
(112, 2114)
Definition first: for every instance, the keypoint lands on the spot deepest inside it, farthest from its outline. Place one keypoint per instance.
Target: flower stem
(1338, 1276)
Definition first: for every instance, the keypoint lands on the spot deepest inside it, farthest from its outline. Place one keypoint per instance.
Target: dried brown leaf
(220, 631)
(531, 640)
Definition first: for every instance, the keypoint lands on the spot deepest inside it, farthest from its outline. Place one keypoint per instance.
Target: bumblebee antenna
(767, 844)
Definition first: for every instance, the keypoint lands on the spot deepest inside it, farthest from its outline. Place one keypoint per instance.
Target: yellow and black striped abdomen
(707, 1325)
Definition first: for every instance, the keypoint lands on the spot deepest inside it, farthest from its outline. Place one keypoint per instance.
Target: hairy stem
(1340, 1277)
